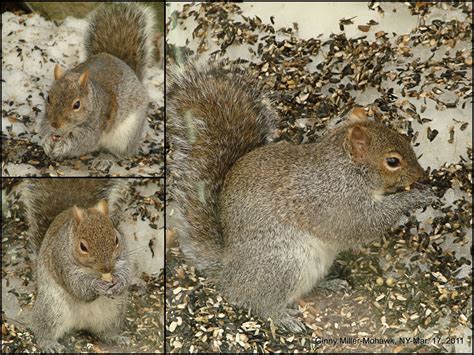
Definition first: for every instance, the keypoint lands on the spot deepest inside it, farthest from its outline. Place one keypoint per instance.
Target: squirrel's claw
(119, 286)
(287, 321)
(102, 163)
(51, 346)
(101, 287)
(120, 340)
(334, 285)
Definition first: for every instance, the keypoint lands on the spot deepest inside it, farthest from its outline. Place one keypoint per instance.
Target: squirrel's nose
(107, 268)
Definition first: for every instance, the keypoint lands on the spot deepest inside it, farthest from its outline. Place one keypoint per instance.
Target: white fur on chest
(378, 195)
(119, 136)
(317, 258)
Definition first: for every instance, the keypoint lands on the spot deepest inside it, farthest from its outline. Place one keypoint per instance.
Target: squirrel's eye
(116, 241)
(393, 162)
(83, 247)
(76, 105)
(48, 100)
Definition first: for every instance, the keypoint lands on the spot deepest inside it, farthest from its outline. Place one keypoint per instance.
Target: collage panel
(206, 177)
(319, 187)
(82, 89)
(83, 188)
(82, 262)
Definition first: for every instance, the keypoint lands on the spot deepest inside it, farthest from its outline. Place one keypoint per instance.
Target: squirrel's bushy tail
(46, 198)
(215, 117)
(124, 30)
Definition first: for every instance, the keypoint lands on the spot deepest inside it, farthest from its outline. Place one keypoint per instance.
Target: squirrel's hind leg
(47, 329)
(108, 319)
(265, 281)
(48, 324)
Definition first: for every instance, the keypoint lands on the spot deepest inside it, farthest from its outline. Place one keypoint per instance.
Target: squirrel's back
(45, 199)
(123, 30)
(216, 116)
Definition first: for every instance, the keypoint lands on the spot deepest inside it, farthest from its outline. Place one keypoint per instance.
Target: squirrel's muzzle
(421, 174)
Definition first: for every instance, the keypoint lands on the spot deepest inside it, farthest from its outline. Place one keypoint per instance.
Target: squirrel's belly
(98, 315)
(118, 139)
(317, 257)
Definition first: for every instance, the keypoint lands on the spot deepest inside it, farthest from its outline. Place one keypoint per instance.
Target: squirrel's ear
(359, 139)
(58, 72)
(83, 78)
(77, 214)
(358, 114)
(102, 207)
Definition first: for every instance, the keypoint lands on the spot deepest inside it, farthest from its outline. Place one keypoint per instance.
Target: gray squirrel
(82, 264)
(265, 220)
(101, 104)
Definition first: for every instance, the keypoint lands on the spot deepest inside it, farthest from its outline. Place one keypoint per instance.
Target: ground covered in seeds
(31, 46)
(145, 314)
(407, 65)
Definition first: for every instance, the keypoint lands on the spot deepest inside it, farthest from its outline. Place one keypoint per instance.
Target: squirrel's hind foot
(288, 321)
(116, 339)
(334, 286)
(51, 346)
(103, 162)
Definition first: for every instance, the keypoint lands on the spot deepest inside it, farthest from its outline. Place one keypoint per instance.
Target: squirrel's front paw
(60, 149)
(48, 144)
(109, 289)
(101, 287)
(423, 195)
(119, 286)
(52, 146)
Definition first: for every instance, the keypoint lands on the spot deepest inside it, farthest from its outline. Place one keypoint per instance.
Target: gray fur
(266, 221)
(124, 31)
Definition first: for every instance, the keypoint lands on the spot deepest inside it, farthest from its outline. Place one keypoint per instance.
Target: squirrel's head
(69, 101)
(97, 244)
(387, 154)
